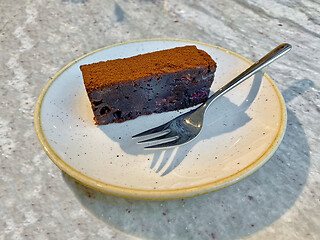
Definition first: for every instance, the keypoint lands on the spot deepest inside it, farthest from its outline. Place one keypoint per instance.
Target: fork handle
(257, 66)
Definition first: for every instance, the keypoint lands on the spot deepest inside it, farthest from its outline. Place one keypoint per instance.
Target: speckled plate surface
(241, 132)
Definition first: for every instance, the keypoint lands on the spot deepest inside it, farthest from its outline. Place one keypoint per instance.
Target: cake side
(108, 73)
(160, 93)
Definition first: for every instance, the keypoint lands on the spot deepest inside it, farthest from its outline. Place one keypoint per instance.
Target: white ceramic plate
(241, 132)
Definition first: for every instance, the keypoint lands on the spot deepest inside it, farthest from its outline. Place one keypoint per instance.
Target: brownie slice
(156, 82)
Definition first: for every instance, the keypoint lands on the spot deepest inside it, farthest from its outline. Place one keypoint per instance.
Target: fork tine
(163, 145)
(153, 132)
(163, 138)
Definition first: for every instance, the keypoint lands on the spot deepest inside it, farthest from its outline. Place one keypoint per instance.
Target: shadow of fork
(230, 118)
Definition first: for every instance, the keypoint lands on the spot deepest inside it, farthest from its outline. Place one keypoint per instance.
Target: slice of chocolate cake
(156, 82)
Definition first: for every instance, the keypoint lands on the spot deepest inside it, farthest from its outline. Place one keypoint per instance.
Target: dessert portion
(156, 82)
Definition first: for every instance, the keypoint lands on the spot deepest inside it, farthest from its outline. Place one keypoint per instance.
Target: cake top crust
(108, 73)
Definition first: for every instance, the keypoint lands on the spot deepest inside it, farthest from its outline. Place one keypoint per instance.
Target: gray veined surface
(38, 202)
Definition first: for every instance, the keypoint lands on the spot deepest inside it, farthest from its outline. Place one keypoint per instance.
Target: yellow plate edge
(156, 194)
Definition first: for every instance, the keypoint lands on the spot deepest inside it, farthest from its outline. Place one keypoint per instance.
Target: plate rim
(145, 194)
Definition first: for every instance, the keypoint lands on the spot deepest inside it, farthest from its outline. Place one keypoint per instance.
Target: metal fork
(187, 126)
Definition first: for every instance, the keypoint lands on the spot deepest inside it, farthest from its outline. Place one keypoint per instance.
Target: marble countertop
(279, 201)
